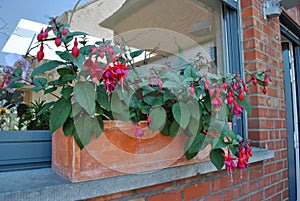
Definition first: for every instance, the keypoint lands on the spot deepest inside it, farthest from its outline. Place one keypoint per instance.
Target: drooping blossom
(243, 156)
(237, 110)
(229, 164)
(138, 131)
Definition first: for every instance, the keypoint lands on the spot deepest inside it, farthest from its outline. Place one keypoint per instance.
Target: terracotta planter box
(117, 152)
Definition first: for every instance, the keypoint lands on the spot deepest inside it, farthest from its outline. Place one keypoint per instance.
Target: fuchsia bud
(75, 50)
(64, 31)
(113, 58)
(225, 85)
(40, 54)
(40, 36)
(148, 119)
(45, 34)
(241, 96)
(264, 90)
(254, 80)
(205, 86)
(101, 55)
(211, 91)
(93, 50)
(110, 51)
(229, 100)
(192, 89)
(57, 41)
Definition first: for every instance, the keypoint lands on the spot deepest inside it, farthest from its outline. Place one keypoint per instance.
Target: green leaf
(50, 90)
(194, 126)
(152, 100)
(136, 53)
(195, 143)
(86, 50)
(78, 33)
(217, 158)
(36, 89)
(181, 114)
(45, 108)
(219, 143)
(14, 79)
(64, 71)
(17, 85)
(158, 118)
(59, 113)
(68, 127)
(246, 105)
(66, 78)
(66, 92)
(102, 98)
(84, 130)
(76, 109)
(46, 67)
(85, 95)
(97, 126)
(18, 72)
(175, 129)
(39, 82)
(147, 90)
(191, 72)
(79, 61)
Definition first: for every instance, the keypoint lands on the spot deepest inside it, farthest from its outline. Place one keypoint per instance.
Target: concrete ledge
(43, 184)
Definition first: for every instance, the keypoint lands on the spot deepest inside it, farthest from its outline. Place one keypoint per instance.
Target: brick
(270, 191)
(279, 187)
(110, 197)
(240, 176)
(196, 191)
(248, 188)
(232, 194)
(256, 173)
(221, 183)
(276, 177)
(167, 196)
(279, 165)
(214, 197)
(153, 188)
(276, 197)
(264, 181)
(285, 194)
(258, 135)
(257, 196)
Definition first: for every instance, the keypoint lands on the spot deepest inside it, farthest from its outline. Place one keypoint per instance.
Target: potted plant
(110, 114)
(25, 140)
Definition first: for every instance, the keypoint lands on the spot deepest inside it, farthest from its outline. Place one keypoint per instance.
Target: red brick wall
(266, 180)
(257, 183)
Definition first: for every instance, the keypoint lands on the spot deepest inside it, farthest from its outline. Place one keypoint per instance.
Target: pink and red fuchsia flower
(244, 153)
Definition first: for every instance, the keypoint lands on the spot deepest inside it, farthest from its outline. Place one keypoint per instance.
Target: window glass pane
(172, 27)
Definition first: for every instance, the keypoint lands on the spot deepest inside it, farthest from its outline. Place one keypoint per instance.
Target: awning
(287, 4)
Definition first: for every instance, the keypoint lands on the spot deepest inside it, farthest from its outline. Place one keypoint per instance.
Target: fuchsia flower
(229, 164)
(245, 152)
(138, 131)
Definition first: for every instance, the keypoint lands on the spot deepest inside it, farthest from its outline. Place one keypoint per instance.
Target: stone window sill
(43, 184)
